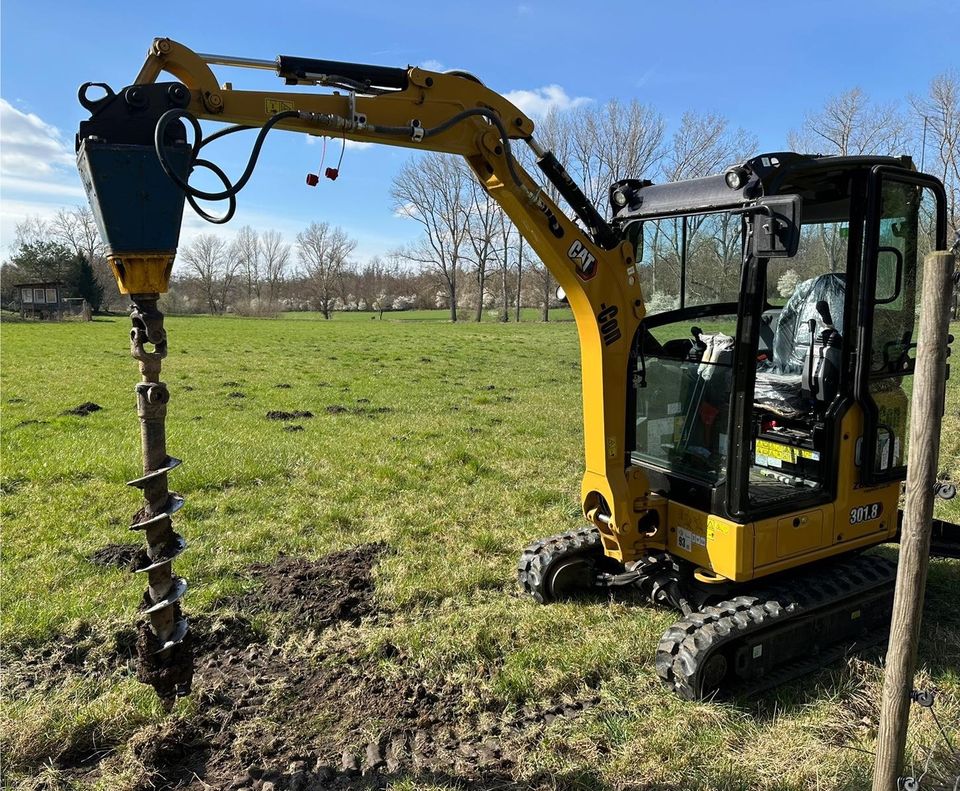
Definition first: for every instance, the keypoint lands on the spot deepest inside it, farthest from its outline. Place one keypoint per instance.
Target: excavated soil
(86, 408)
(316, 593)
(119, 556)
(299, 414)
(271, 717)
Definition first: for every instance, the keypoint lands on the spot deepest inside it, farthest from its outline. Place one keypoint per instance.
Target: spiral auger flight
(164, 651)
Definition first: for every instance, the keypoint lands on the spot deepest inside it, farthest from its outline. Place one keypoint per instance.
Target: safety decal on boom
(274, 106)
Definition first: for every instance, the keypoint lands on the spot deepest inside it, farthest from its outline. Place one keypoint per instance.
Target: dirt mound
(317, 593)
(171, 754)
(213, 634)
(95, 652)
(365, 411)
(277, 414)
(119, 556)
(86, 408)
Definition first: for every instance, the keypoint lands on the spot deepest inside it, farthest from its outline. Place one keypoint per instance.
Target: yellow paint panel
(799, 533)
(711, 542)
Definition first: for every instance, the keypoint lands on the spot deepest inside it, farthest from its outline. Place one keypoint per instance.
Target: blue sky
(763, 65)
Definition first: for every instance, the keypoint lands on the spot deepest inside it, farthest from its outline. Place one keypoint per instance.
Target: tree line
(469, 258)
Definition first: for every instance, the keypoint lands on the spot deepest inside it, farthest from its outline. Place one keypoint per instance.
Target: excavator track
(766, 638)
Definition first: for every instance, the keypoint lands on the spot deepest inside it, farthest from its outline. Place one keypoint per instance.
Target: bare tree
(77, 229)
(519, 271)
(374, 285)
(323, 252)
(703, 144)
(482, 219)
(615, 142)
(505, 235)
(206, 260)
(850, 124)
(938, 112)
(31, 230)
(276, 255)
(246, 250)
(544, 285)
(431, 190)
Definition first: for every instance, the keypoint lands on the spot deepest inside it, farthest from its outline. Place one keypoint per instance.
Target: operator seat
(778, 387)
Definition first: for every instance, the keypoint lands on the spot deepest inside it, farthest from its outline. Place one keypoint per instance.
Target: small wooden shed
(42, 301)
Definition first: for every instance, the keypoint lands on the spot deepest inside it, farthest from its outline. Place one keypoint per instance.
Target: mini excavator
(744, 442)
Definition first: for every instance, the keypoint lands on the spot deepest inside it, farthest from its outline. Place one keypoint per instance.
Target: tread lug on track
(799, 605)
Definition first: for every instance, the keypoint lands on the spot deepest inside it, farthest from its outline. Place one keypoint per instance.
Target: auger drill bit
(164, 649)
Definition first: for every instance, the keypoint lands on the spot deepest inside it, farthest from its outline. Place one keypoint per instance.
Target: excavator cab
(781, 301)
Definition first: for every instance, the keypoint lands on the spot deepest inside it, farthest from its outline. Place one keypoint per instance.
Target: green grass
(463, 314)
(477, 453)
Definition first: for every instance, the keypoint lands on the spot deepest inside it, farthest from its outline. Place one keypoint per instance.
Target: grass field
(435, 316)
(454, 446)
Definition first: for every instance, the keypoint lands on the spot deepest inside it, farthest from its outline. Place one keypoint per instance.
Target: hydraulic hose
(231, 190)
(483, 112)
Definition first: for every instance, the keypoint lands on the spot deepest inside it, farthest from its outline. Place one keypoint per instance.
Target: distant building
(42, 301)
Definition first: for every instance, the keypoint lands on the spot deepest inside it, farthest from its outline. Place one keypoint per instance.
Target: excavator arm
(135, 162)
(451, 113)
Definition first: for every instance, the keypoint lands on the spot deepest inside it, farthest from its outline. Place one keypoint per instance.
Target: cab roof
(823, 182)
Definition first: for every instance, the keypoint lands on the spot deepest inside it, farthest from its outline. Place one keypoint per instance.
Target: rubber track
(685, 646)
(537, 558)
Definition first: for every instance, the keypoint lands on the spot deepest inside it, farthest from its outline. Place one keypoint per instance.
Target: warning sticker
(686, 540)
(274, 106)
(788, 453)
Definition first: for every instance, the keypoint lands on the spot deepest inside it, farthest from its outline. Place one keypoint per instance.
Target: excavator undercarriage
(734, 640)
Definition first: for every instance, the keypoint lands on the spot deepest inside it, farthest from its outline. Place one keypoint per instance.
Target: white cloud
(333, 143)
(538, 102)
(58, 189)
(524, 10)
(31, 148)
(432, 65)
(38, 172)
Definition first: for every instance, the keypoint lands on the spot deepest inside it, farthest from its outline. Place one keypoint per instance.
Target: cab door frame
(880, 174)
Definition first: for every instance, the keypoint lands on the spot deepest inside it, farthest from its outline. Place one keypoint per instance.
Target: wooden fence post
(929, 383)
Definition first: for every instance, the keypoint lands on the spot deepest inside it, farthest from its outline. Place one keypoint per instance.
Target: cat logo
(609, 326)
(585, 260)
